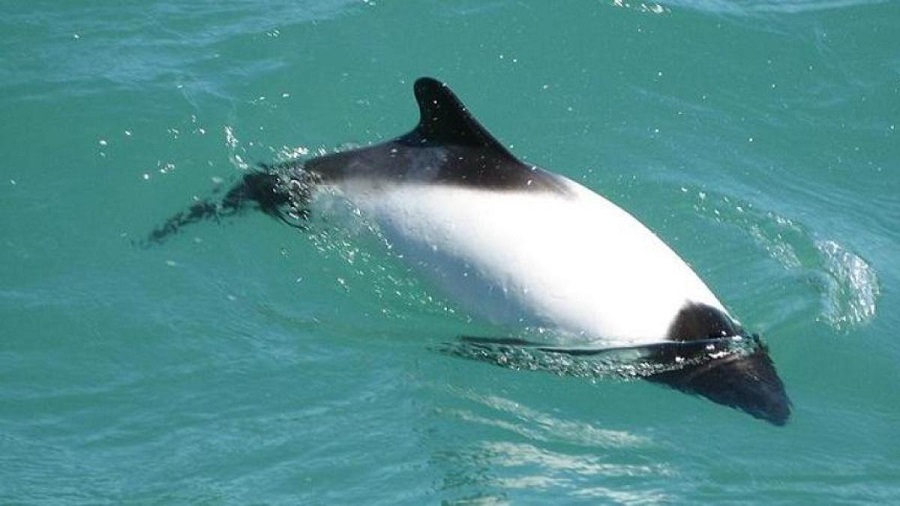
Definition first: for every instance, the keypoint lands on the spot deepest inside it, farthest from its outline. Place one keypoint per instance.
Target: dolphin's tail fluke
(268, 189)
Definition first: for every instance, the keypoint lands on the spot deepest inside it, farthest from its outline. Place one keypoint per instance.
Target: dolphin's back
(447, 147)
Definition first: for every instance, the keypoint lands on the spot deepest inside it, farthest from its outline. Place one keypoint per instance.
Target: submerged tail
(270, 189)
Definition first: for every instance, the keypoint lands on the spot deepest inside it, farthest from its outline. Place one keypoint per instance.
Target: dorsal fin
(447, 146)
(445, 120)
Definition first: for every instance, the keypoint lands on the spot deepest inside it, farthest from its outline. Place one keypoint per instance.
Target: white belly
(578, 265)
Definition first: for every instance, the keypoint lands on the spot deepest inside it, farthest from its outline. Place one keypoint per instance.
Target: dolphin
(525, 248)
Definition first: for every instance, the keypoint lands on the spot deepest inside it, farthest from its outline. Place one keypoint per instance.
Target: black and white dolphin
(524, 247)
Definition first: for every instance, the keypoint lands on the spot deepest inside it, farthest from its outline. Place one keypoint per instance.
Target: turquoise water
(247, 362)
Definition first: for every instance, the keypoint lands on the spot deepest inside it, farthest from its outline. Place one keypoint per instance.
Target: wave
(848, 285)
(752, 7)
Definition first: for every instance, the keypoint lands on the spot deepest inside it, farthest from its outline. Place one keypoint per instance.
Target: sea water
(244, 361)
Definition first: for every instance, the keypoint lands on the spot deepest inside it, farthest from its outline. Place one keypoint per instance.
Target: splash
(848, 284)
(648, 8)
(852, 287)
(626, 364)
(234, 149)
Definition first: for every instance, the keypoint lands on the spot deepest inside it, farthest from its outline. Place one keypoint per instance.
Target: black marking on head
(742, 380)
(748, 382)
(700, 321)
(448, 146)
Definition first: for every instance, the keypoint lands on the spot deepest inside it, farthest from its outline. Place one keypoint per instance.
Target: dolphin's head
(744, 379)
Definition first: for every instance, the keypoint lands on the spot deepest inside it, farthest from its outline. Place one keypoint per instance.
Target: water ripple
(538, 426)
(750, 8)
(852, 287)
(848, 284)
